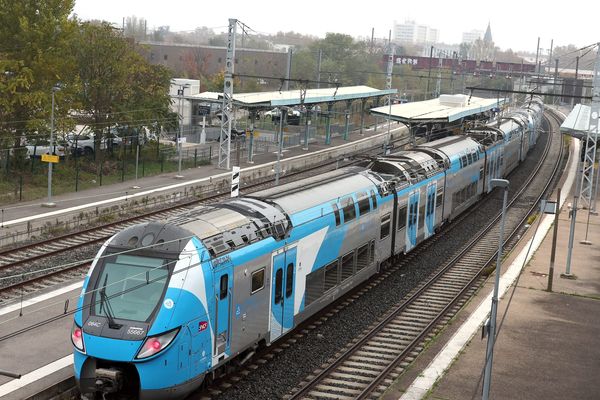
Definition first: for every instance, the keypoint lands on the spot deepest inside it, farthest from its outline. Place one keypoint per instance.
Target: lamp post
(180, 93)
(503, 183)
(49, 203)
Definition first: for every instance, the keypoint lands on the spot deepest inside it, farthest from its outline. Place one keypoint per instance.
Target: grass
(26, 180)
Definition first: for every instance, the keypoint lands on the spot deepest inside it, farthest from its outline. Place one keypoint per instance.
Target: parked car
(293, 115)
(82, 140)
(37, 147)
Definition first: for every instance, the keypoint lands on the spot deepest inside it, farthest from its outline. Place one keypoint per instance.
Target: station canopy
(446, 108)
(292, 97)
(577, 123)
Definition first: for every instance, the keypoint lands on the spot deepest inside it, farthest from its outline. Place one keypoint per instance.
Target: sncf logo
(202, 325)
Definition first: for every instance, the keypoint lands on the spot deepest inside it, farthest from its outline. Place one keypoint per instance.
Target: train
(169, 305)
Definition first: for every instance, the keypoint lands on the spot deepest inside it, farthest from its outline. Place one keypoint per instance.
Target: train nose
(109, 380)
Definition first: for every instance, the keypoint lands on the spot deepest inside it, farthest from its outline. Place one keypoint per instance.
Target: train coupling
(109, 380)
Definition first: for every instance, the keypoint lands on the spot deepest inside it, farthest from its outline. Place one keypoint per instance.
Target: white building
(411, 32)
(471, 36)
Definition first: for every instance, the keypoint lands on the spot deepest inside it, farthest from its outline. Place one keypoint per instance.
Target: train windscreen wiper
(105, 303)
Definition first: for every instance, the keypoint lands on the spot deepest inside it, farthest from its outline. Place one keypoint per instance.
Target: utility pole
(537, 54)
(438, 85)
(319, 68)
(550, 56)
(289, 70)
(555, 80)
(429, 73)
(49, 203)
(487, 378)
(388, 86)
(227, 107)
(587, 178)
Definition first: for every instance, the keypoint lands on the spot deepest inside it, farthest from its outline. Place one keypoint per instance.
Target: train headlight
(155, 344)
(77, 338)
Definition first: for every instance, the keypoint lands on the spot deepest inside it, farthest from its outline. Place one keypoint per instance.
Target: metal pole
(492, 331)
(328, 123)
(51, 150)
(251, 138)
(179, 176)
(362, 116)
(137, 157)
(49, 203)
(279, 145)
(429, 73)
(537, 54)
(567, 273)
(319, 69)
(306, 130)
(289, 70)
(595, 192)
(553, 251)
(492, 327)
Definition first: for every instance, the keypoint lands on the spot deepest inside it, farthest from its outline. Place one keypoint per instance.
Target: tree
(34, 57)
(135, 28)
(117, 85)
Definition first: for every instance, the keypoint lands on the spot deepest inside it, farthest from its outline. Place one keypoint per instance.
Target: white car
(83, 139)
(38, 147)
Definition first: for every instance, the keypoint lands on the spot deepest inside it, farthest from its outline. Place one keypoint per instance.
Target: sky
(515, 24)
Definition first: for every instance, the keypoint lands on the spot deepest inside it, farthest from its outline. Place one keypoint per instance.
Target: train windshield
(130, 287)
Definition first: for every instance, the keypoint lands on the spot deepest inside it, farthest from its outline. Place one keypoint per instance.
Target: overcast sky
(515, 24)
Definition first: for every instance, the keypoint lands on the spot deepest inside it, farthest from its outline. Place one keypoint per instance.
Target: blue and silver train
(169, 305)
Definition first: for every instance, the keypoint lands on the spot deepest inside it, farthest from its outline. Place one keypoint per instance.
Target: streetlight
(49, 203)
(180, 92)
(503, 183)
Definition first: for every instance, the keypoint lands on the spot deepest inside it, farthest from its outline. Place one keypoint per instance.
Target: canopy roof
(577, 123)
(446, 108)
(292, 97)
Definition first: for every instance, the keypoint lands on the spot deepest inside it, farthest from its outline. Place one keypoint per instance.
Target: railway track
(369, 364)
(13, 261)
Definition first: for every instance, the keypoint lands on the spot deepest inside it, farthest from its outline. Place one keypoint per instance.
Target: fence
(23, 179)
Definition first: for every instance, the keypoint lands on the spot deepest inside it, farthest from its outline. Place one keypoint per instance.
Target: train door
(222, 288)
(282, 293)
(430, 209)
(413, 214)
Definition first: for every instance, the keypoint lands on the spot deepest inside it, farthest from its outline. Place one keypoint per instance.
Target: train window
(348, 209)
(278, 284)
(289, 280)
(439, 199)
(373, 199)
(469, 158)
(402, 218)
(372, 251)
(362, 257)
(347, 266)
(385, 226)
(363, 204)
(224, 286)
(464, 161)
(481, 173)
(314, 286)
(331, 275)
(336, 212)
(258, 280)
(421, 215)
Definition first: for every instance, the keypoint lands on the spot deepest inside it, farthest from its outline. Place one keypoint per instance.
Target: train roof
(307, 193)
